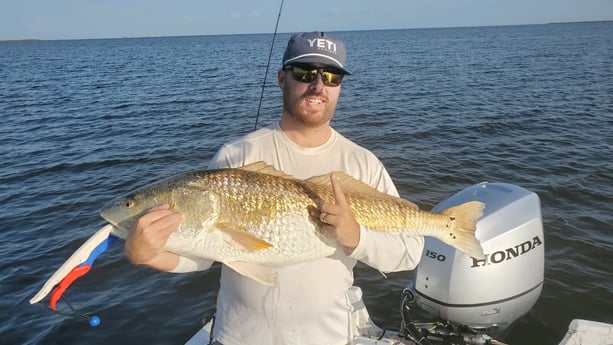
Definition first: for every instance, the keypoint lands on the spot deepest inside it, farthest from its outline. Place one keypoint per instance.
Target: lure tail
(79, 263)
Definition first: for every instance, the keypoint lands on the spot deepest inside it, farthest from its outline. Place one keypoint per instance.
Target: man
(309, 302)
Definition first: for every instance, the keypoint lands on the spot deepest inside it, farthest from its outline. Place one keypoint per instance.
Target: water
(86, 120)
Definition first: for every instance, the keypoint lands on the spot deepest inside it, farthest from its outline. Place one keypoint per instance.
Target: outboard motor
(469, 299)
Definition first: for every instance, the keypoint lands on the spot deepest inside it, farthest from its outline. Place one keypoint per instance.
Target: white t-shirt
(309, 303)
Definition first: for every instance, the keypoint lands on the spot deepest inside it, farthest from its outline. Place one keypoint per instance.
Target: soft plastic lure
(77, 265)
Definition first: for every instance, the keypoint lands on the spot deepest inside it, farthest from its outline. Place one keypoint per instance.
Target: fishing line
(272, 45)
(93, 320)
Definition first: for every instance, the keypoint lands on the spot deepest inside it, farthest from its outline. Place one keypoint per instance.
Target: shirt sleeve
(186, 264)
(228, 156)
(221, 159)
(388, 252)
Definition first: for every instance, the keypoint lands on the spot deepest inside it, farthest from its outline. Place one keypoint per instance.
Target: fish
(255, 218)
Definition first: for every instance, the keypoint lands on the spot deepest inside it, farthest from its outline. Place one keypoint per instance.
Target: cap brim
(317, 59)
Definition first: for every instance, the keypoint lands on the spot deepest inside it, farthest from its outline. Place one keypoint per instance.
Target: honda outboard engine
(467, 297)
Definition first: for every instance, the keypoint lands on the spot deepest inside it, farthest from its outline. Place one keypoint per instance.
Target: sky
(78, 19)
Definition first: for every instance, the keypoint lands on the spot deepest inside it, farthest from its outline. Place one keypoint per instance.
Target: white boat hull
(367, 333)
(580, 332)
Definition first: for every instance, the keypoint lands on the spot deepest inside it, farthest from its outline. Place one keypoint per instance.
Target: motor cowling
(494, 292)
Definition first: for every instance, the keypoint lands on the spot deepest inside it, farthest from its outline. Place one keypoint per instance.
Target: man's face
(311, 104)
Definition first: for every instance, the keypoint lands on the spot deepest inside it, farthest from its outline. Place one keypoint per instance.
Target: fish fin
(463, 220)
(262, 274)
(242, 239)
(351, 185)
(264, 168)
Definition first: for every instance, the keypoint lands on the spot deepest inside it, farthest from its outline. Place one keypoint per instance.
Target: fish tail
(463, 221)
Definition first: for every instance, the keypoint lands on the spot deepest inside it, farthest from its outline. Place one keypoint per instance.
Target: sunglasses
(307, 74)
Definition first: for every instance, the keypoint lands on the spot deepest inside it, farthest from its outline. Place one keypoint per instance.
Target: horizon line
(289, 32)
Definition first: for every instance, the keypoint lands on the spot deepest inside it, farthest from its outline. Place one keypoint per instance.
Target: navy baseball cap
(315, 48)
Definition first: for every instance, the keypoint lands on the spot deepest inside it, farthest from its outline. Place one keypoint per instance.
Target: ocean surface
(83, 121)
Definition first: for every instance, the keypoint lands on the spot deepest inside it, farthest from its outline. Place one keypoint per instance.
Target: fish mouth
(120, 231)
(105, 216)
(121, 228)
(116, 215)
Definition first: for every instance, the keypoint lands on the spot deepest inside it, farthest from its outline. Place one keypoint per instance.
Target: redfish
(255, 217)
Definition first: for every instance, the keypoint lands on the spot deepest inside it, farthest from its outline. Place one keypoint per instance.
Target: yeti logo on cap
(322, 43)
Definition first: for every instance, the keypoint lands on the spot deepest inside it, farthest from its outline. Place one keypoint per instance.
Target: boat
(452, 299)
(580, 332)
(368, 333)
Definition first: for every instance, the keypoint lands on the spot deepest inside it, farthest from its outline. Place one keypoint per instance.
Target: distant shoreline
(25, 40)
(583, 21)
(221, 34)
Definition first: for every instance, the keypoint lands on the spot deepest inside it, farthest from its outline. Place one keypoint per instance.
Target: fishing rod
(272, 45)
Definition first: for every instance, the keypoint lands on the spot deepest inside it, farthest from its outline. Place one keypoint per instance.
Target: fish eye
(129, 203)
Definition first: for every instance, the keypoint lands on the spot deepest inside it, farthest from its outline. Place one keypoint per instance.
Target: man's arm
(388, 252)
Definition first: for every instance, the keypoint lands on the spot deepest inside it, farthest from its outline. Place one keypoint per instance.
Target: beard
(296, 107)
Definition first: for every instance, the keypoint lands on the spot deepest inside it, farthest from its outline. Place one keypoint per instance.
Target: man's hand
(337, 219)
(144, 245)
